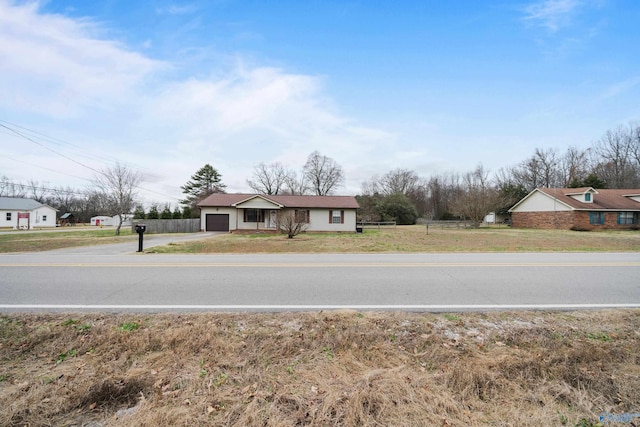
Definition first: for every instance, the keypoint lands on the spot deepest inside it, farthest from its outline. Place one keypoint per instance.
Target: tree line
(399, 195)
(613, 161)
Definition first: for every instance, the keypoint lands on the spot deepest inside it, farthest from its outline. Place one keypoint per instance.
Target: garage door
(217, 222)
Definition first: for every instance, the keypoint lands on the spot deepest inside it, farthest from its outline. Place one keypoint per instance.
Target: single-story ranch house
(19, 213)
(236, 212)
(577, 208)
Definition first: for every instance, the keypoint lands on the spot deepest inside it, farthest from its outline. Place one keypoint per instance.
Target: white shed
(100, 220)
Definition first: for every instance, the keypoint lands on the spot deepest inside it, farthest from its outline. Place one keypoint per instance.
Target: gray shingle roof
(18, 204)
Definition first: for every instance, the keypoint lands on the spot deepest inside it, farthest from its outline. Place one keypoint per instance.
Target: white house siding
(257, 203)
(44, 216)
(539, 202)
(10, 222)
(319, 221)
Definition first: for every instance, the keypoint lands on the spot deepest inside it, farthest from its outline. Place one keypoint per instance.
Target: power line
(82, 151)
(4, 124)
(34, 187)
(44, 168)
(47, 148)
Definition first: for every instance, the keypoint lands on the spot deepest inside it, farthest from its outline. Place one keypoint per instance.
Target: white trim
(317, 307)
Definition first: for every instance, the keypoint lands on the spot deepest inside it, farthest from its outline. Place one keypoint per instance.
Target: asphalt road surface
(55, 281)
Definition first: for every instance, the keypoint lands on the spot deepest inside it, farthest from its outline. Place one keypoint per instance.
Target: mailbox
(140, 229)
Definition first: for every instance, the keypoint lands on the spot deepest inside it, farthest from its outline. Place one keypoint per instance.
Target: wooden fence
(378, 224)
(156, 226)
(450, 224)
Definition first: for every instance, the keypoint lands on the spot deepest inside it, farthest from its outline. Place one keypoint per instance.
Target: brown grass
(416, 239)
(319, 369)
(21, 241)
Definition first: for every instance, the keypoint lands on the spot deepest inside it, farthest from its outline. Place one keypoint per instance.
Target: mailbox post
(140, 229)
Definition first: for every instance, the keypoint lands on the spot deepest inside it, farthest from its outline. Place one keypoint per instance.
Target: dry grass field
(20, 241)
(415, 239)
(321, 369)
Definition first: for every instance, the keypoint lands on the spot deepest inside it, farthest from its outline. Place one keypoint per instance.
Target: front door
(273, 219)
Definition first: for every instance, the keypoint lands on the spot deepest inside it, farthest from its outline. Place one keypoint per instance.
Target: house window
(596, 218)
(336, 217)
(8, 216)
(253, 215)
(44, 218)
(587, 197)
(302, 215)
(627, 218)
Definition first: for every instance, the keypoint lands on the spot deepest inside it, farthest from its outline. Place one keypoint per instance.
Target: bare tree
(269, 179)
(397, 181)
(292, 222)
(540, 170)
(442, 190)
(323, 174)
(9, 188)
(37, 191)
(617, 158)
(573, 167)
(478, 196)
(296, 185)
(117, 188)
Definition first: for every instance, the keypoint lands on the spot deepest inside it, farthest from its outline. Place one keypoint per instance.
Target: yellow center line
(325, 265)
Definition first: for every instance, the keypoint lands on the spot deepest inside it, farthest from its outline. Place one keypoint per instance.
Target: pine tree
(203, 183)
(166, 213)
(153, 213)
(139, 212)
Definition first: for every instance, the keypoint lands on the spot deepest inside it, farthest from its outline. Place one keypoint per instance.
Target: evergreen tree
(203, 183)
(398, 208)
(176, 213)
(153, 213)
(166, 213)
(187, 213)
(139, 212)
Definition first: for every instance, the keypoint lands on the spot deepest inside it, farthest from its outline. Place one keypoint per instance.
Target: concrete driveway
(150, 240)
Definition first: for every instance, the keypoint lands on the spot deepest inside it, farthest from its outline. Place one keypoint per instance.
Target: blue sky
(431, 86)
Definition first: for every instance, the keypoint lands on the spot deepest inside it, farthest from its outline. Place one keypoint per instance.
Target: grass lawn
(415, 239)
(33, 241)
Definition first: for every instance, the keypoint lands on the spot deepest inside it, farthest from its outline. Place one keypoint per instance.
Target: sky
(165, 87)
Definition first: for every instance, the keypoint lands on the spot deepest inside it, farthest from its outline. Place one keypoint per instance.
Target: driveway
(150, 240)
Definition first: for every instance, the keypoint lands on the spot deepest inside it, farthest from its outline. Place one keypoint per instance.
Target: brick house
(577, 208)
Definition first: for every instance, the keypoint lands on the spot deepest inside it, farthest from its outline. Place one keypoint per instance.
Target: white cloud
(56, 66)
(174, 9)
(551, 14)
(621, 87)
(114, 103)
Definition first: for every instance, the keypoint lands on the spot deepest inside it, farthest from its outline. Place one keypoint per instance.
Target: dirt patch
(318, 369)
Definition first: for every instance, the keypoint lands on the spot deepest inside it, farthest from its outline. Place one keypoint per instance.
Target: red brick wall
(565, 220)
(562, 220)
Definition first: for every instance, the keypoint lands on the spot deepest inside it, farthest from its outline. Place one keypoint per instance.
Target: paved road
(433, 282)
